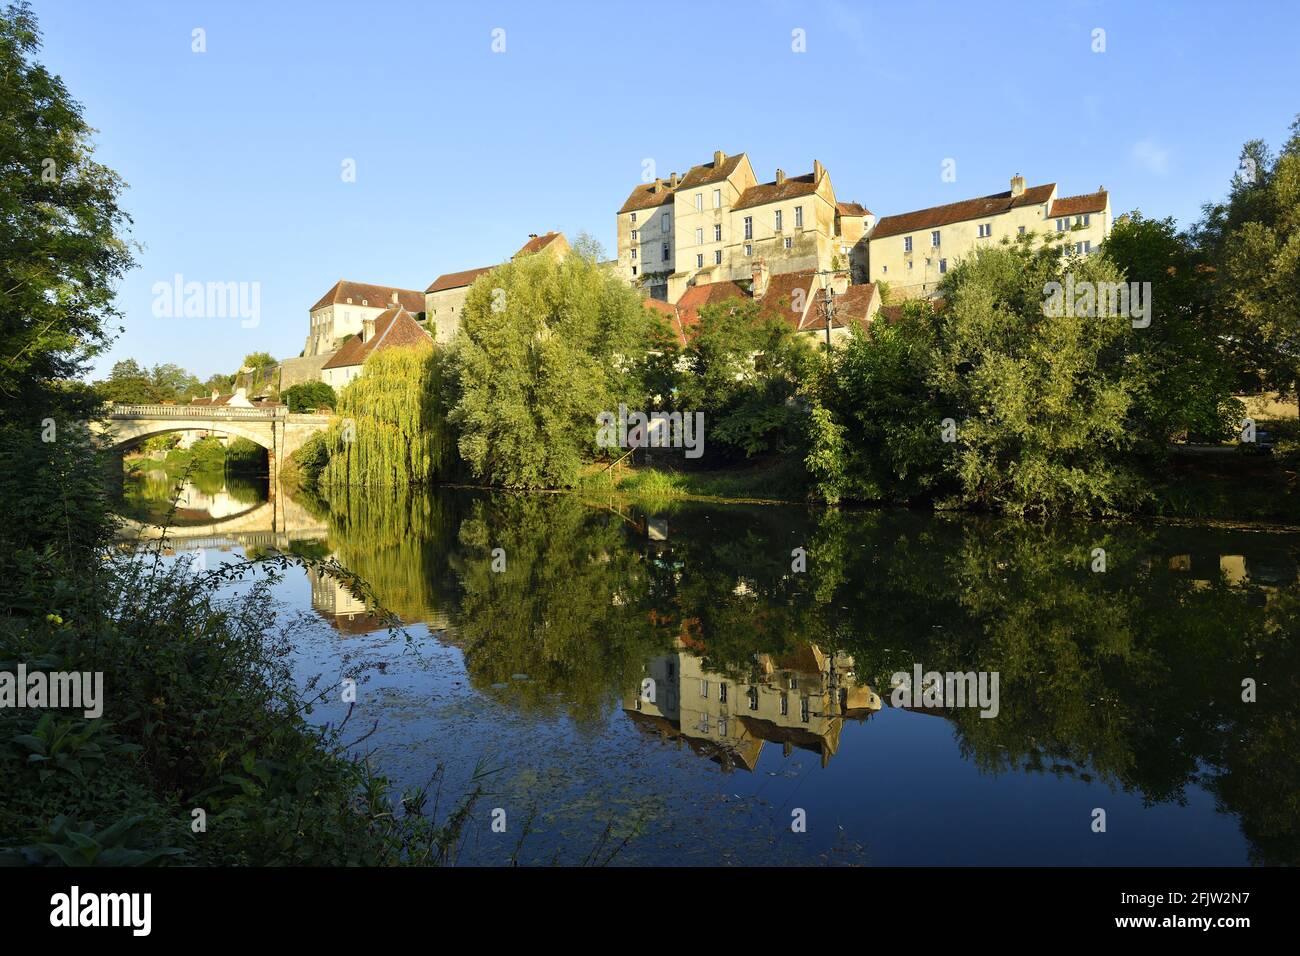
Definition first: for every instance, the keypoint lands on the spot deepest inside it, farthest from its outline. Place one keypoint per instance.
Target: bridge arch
(127, 434)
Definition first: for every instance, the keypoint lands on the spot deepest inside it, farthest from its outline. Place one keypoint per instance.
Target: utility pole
(828, 309)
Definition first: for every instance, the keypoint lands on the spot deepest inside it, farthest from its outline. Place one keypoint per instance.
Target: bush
(309, 396)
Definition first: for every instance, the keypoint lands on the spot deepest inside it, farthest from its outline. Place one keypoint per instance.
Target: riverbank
(1237, 487)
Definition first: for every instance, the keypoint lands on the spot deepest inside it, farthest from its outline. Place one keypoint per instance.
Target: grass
(773, 480)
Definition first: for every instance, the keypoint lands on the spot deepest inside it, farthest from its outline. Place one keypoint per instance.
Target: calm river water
(714, 684)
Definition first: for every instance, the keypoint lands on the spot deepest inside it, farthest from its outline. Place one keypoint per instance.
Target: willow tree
(545, 347)
(391, 426)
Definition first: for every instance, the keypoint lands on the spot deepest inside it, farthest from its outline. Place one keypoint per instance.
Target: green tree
(1253, 242)
(1040, 401)
(309, 396)
(744, 368)
(1185, 381)
(872, 426)
(391, 426)
(545, 346)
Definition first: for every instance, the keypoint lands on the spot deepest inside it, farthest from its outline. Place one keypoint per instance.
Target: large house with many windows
(714, 223)
(912, 251)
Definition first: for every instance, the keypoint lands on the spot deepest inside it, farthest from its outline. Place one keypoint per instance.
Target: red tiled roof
(853, 305)
(852, 209)
(645, 197)
(791, 188)
(698, 296)
(707, 173)
(377, 296)
(960, 211)
(393, 328)
(456, 280)
(780, 298)
(537, 243)
(1077, 205)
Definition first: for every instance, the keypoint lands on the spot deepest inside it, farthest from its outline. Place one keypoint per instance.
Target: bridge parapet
(220, 413)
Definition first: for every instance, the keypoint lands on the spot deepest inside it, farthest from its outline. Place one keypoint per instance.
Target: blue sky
(234, 156)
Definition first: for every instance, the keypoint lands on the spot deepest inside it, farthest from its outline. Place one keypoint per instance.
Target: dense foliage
(309, 396)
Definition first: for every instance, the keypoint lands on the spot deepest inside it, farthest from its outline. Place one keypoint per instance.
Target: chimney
(818, 171)
(758, 287)
(655, 187)
(673, 181)
(1017, 185)
(368, 329)
(215, 395)
(780, 176)
(718, 157)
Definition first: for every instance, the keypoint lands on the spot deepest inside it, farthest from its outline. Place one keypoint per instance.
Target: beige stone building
(712, 224)
(912, 251)
(444, 300)
(343, 310)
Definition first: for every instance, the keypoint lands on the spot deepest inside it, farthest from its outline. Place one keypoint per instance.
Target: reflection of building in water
(193, 504)
(1259, 566)
(798, 700)
(339, 607)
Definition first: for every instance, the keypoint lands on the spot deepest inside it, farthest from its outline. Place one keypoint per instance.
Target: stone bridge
(273, 428)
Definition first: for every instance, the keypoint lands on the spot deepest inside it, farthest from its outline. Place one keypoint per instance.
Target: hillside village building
(912, 251)
(395, 327)
(344, 309)
(714, 223)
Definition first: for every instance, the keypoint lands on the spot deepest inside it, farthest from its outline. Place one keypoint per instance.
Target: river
(715, 683)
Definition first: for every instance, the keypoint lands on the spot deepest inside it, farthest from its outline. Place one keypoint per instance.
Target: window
(699, 202)
(722, 693)
(909, 265)
(699, 237)
(934, 239)
(704, 688)
(886, 268)
(753, 698)
(749, 227)
(634, 235)
(804, 710)
(722, 726)
(907, 244)
(634, 217)
(717, 199)
(634, 270)
(634, 255)
(667, 252)
(1061, 225)
(704, 723)
(717, 257)
(788, 242)
(1083, 248)
(664, 223)
(785, 704)
(699, 261)
(1087, 219)
(986, 230)
(792, 682)
(943, 265)
(778, 220)
(717, 233)
(1020, 231)
(798, 217)
(749, 250)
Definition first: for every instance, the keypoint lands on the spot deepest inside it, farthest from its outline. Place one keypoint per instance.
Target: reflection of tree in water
(569, 611)
(398, 541)
(1131, 676)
